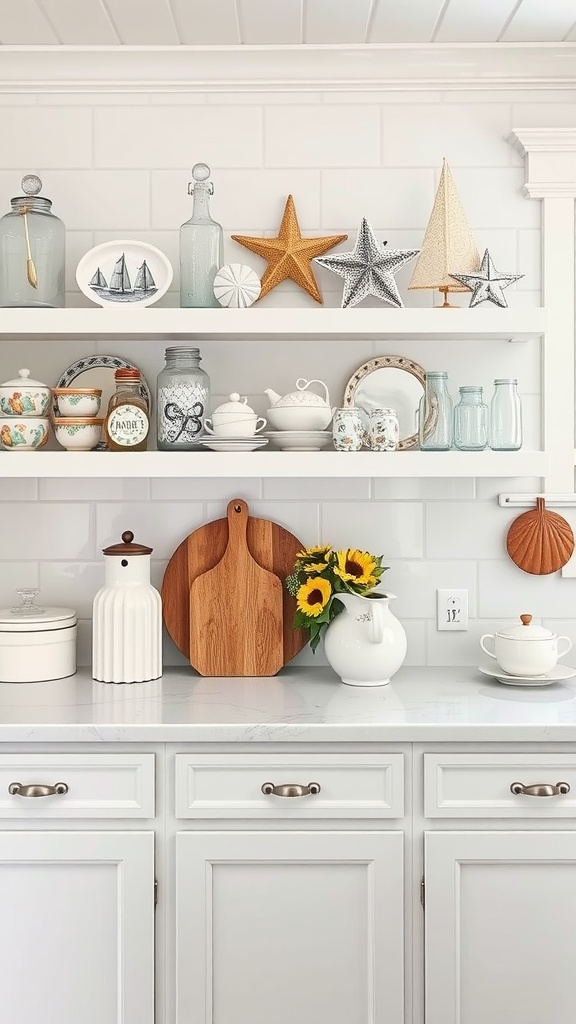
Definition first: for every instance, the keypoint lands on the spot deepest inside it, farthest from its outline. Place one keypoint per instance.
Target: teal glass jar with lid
(201, 245)
(32, 250)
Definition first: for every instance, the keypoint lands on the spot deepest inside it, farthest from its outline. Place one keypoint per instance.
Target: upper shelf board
(269, 324)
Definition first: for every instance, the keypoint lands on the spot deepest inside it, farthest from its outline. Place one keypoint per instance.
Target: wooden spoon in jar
(30, 265)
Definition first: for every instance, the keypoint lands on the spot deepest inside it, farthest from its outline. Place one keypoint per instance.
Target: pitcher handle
(376, 623)
(302, 384)
(489, 636)
(569, 648)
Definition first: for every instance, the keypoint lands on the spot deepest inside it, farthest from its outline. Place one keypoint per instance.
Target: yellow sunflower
(320, 552)
(355, 567)
(313, 596)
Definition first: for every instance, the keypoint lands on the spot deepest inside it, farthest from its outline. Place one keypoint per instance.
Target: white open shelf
(267, 324)
(272, 464)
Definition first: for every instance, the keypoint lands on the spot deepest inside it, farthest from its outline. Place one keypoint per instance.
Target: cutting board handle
(237, 513)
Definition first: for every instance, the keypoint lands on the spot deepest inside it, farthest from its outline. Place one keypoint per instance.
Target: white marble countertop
(300, 705)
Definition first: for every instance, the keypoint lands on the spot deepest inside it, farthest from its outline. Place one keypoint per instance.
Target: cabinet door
(500, 927)
(77, 927)
(289, 927)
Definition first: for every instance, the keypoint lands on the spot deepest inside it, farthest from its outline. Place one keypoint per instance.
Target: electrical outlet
(452, 607)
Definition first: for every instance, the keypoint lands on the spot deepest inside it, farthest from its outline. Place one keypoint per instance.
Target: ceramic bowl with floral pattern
(77, 433)
(77, 401)
(24, 433)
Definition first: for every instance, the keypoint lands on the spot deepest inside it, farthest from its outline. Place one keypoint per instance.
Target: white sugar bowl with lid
(36, 644)
(301, 409)
(24, 396)
(234, 418)
(525, 649)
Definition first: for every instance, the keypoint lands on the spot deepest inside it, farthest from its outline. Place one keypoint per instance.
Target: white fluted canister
(127, 617)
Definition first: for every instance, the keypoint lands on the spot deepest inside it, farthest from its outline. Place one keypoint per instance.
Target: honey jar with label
(127, 421)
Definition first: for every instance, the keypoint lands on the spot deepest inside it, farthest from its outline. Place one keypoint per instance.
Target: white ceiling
(283, 22)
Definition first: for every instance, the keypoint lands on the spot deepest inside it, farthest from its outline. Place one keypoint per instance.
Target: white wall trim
(173, 69)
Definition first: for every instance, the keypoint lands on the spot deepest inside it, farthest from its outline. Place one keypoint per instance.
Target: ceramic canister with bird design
(183, 395)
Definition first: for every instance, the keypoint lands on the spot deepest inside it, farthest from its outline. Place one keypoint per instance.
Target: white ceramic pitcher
(365, 644)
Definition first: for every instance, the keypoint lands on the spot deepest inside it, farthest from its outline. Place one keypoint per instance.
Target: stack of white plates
(300, 440)
(233, 444)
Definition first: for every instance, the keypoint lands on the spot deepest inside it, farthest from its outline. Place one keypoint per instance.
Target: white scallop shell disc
(236, 285)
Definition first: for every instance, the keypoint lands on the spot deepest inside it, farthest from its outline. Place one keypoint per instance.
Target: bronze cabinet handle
(540, 789)
(17, 789)
(291, 789)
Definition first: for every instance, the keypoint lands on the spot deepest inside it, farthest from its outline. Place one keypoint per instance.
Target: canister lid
(30, 618)
(24, 380)
(127, 547)
(526, 631)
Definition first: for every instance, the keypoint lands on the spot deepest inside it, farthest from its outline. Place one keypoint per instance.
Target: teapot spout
(273, 396)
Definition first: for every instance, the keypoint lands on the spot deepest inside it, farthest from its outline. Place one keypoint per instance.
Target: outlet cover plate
(452, 610)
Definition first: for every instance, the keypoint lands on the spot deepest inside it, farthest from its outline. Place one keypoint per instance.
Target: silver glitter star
(487, 284)
(369, 269)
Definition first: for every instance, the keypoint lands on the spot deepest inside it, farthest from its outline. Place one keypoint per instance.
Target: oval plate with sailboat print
(124, 273)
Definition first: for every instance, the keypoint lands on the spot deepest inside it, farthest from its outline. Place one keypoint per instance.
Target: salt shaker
(127, 617)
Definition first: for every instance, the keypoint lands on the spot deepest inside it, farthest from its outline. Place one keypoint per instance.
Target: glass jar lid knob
(31, 184)
(201, 173)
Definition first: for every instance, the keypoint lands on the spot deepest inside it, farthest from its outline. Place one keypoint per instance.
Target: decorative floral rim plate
(555, 676)
(300, 440)
(124, 273)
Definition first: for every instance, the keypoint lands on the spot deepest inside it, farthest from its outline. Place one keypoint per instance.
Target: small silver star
(487, 284)
(369, 269)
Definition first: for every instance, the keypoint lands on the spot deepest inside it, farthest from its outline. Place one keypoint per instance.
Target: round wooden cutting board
(270, 545)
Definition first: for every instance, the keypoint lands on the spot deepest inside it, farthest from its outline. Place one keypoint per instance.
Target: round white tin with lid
(36, 644)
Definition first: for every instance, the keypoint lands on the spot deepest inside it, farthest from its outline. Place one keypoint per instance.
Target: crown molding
(549, 160)
(180, 69)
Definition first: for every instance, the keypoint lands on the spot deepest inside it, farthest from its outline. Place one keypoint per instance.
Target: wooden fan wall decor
(540, 541)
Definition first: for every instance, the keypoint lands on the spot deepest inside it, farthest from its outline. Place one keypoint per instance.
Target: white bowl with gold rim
(77, 433)
(77, 402)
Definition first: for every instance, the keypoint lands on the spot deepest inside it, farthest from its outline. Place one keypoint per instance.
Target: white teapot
(301, 409)
(525, 650)
(234, 419)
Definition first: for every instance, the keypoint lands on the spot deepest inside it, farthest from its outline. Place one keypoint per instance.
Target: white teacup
(234, 425)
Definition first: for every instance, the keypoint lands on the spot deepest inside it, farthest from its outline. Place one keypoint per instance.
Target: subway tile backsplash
(117, 166)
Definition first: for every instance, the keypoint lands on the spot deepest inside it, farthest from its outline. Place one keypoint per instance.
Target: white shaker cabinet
(500, 927)
(76, 927)
(289, 926)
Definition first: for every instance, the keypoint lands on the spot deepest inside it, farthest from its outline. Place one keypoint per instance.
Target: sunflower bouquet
(319, 575)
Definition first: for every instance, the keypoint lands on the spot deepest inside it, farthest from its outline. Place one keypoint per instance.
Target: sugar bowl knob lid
(127, 547)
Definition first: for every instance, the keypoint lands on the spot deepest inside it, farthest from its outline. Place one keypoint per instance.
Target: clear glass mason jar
(471, 420)
(183, 395)
(505, 431)
(435, 413)
(32, 250)
(201, 245)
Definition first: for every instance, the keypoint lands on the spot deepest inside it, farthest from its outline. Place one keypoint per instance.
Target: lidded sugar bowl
(32, 250)
(525, 649)
(127, 617)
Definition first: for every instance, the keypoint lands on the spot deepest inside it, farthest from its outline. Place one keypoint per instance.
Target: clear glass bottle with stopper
(32, 250)
(201, 245)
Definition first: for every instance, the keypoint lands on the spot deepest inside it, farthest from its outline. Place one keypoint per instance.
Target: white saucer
(557, 674)
(300, 440)
(233, 444)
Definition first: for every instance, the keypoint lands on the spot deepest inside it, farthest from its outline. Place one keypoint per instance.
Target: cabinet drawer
(230, 786)
(478, 785)
(99, 785)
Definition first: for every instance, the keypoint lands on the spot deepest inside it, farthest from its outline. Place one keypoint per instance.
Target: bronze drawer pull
(543, 789)
(17, 789)
(291, 789)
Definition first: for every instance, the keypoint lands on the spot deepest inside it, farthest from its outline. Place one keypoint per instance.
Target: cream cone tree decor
(448, 242)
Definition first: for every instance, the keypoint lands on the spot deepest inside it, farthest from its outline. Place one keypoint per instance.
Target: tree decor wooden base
(540, 541)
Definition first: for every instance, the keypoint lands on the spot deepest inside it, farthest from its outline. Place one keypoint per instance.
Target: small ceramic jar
(234, 419)
(24, 396)
(383, 432)
(23, 434)
(348, 430)
(36, 644)
(525, 650)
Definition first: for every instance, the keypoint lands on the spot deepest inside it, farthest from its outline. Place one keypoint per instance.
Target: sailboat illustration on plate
(126, 272)
(120, 288)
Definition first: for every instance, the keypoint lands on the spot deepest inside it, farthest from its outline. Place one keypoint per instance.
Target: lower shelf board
(273, 464)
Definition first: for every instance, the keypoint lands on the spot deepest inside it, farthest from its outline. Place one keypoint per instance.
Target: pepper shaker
(127, 617)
